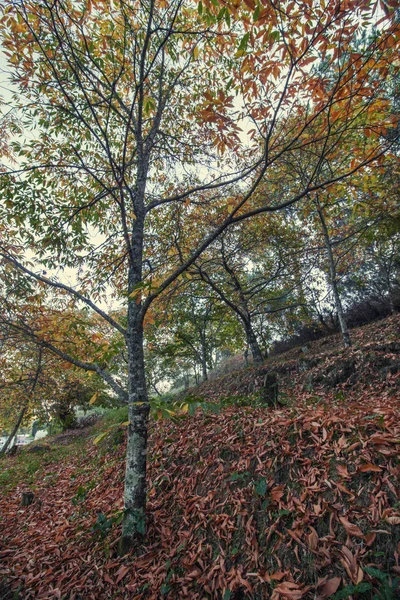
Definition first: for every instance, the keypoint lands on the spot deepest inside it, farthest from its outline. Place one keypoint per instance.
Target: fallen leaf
(369, 467)
(351, 528)
(329, 587)
(122, 571)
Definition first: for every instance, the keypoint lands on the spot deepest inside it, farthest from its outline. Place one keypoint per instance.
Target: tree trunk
(270, 390)
(253, 344)
(14, 431)
(204, 358)
(333, 279)
(390, 296)
(134, 519)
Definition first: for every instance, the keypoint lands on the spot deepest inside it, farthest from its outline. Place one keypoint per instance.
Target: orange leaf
(278, 575)
(369, 467)
(342, 470)
(351, 528)
(370, 538)
(344, 489)
(329, 587)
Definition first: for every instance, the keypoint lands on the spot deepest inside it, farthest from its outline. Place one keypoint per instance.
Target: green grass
(114, 416)
(25, 466)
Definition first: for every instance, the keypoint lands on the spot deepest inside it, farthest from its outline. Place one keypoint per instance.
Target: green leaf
(347, 591)
(261, 486)
(227, 595)
(227, 17)
(375, 573)
(244, 41)
(200, 8)
(221, 14)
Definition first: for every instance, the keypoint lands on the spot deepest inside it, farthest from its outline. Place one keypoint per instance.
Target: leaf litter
(288, 504)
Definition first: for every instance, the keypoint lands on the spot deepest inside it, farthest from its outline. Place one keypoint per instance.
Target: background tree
(250, 270)
(192, 330)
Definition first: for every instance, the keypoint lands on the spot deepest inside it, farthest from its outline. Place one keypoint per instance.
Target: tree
(34, 382)
(190, 329)
(130, 108)
(250, 270)
(17, 389)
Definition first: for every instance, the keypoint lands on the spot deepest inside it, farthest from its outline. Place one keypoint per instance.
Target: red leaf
(122, 571)
(108, 579)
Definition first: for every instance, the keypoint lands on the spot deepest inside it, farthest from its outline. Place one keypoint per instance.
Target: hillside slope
(289, 503)
(373, 359)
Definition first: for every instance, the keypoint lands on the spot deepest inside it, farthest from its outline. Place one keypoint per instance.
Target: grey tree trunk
(204, 358)
(134, 519)
(333, 278)
(253, 344)
(390, 295)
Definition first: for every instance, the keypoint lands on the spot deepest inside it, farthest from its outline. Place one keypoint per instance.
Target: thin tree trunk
(204, 358)
(14, 431)
(333, 279)
(253, 344)
(134, 519)
(390, 296)
(156, 390)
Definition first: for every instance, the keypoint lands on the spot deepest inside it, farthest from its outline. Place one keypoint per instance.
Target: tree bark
(134, 519)
(134, 525)
(253, 344)
(204, 357)
(333, 278)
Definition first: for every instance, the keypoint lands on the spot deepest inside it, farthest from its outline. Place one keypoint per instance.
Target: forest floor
(295, 502)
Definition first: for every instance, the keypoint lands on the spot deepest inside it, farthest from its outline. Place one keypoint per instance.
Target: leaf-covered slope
(373, 359)
(285, 504)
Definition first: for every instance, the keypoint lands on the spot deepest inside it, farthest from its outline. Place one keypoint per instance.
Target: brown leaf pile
(286, 504)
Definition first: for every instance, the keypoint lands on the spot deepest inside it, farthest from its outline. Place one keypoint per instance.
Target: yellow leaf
(185, 408)
(93, 398)
(125, 424)
(195, 52)
(100, 437)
